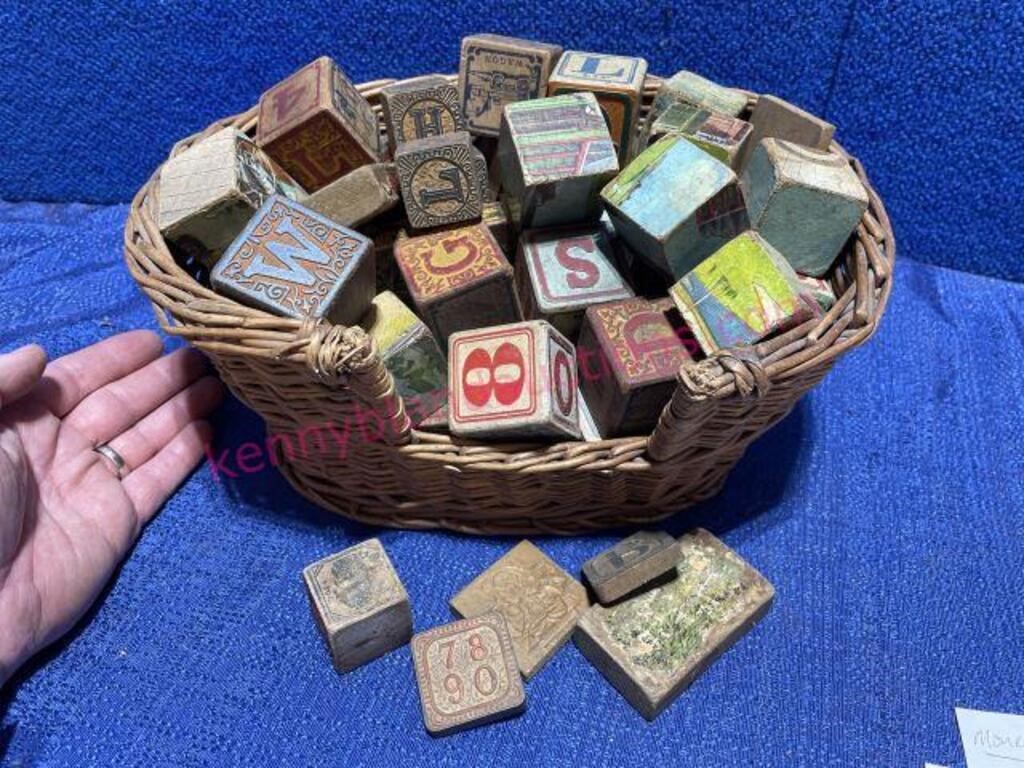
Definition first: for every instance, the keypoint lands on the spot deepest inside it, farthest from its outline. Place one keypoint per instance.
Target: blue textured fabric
(94, 97)
(886, 510)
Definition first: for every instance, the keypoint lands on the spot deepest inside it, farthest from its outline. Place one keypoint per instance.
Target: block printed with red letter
(512, 380)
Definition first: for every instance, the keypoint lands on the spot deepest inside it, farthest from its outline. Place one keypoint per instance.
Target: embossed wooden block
(495, 71)
(653, 646)
(565, 271)
(210, 191)
(458, 279)
(419, 108)
(588, 427)
(819, 288)
(675, 205)
(719, 135)
(690, 88)
(742, 293)
(495, 219)
(618, 83)
(778, 119)
(440, 180)
(516, 380)
(628, 357)
(409, 351)
(467, 675)
(358, 196)
(540, 602)
(630, 564)
(556, 154)
(359, 604)
(317, 125)
(292, 261)
(804, 202)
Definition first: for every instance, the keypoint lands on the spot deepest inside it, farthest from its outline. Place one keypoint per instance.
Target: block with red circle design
(516, 380)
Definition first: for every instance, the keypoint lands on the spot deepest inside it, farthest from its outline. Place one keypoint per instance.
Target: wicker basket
(297, 374)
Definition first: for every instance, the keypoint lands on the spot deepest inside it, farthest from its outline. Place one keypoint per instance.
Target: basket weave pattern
(299, 374)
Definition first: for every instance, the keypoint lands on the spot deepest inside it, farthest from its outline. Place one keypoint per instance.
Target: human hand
(66, 518)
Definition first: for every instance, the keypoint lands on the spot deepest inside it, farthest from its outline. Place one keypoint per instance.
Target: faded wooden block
(778, 119)
(458, 279)
(675, 205)
(633, 562)
(690, 88)
(721, 136)
(556, 154)
(419, 108)
(210, 191)
(804, 202)
(742, 293)
(359, 604)
(541, 603)
(440, 180)
(358, 196)
(410, 353)
(292, 261)
(495, 71)
(628, 357)
(317, 125)
(493, 217)
(819, 289)
(616, 81)
(466, 673)
(653, 646)
(516, 380)
(565, 271)
(588, 427)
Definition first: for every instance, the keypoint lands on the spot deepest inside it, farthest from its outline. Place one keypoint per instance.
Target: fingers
(70, 379)
(114, 408)
(150, 485)
(19, 372)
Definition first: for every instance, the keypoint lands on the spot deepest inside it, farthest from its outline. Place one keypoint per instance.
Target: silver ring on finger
(115, 458)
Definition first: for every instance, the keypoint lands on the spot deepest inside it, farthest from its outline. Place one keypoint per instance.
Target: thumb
(19, 372)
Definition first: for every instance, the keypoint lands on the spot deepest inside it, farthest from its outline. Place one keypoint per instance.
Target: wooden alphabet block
(516, 380)
(495, 71)
(555, 154)
(562, 272)
(819, 288)
(778, 119)
(317, 125)
(420, 108)
(628, 357)
(359, 604)
(804, 202)
(653, 646)
(292, 261)
(409, 351)
(675, 205)
(690, 88)
(719, 135)
(742, 293)
(630, 564)
(440, 180)
(458, 279)
(616, 81)
(467, 675)
(541, 603)
(358, 196)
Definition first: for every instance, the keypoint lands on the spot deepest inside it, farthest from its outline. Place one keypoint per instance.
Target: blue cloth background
(886, 509)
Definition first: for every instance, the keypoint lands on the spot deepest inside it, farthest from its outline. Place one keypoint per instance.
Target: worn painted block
(804, 202)
(819, 289)
(440, 180)
(562, 272)
(359, 604)
(409, 351)
(616, 81)
(210, 191)
(467, 675)
(628, 358)
(495, 71)
(721, 136)
(516, 380)
(458, 279)
(778, 119)
(541, 603)
(630, 564)
(690, 88)
(493, 217)
(675, 205)
(742, 293)
(588, 427)
(556, 154)
(653, 646)
(317, 125)
(358, 196)
(420, 108)
(294, 262)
